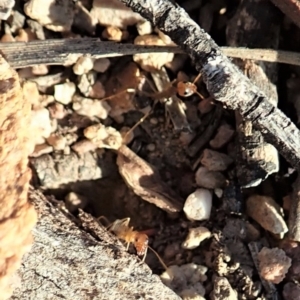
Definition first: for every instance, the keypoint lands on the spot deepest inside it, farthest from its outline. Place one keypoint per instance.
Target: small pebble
(40, 70)
(266, 212)
(64, 92)
(218, 193)
(83, 65)
(223, 290)
(224, 134)
(197, 206)
(104, 137)
(215, 161)
(56, 141)
(31, 93)
(115, 34)
(97, 90)
(41, 149)
(83, 146)
(91, 108)
(57, 111)
(151, 61)
(151, 147)
(273, 264)
(144, 27)
(209, 179)
(195, 237)
(153, 121)
(25, 35)
(101, 65)
(41, 125)
(75, 201)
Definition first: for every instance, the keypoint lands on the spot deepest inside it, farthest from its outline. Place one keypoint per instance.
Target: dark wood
(256, 158)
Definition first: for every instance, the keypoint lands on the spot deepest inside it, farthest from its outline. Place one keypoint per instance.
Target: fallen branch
(224, 81)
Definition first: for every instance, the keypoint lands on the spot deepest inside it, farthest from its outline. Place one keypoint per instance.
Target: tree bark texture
(67, 262)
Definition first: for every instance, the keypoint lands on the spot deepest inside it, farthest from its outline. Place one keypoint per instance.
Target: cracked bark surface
(67, 262)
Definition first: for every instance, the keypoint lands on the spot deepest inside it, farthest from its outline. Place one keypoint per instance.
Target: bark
(249, 28)
(67, 262)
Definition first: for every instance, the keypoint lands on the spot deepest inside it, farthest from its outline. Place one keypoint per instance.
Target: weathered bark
(67, 262)
(224, 81)
(248, 28)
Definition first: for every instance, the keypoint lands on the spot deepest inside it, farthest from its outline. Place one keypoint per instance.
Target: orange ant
(140, 240)
(184, 89)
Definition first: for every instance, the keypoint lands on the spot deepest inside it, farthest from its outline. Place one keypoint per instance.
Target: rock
(195, 237)
(41, 149)
(64, 92)
(115, 34)
(223, 290)
(83, 146)
(40, 70)
(209, 179)
(144, 27)
(57, 142)
(186, 280)
(101, 65)
(74, 201)
(90, 107)
(6, 8)
(54, 15)
(197, 206)
(215, 161)
(41, 125)
(151, 61)
(114, 13)
(291, 291)
(266, 212)
(25, 35)
(89, 86)
(83, 65)
(273, 264)
(104, 137)
(57, 111)
(224, 134)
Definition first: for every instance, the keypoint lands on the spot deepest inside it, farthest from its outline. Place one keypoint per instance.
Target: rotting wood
(256, 158)
(224, 81)
(67, 51)
(67, 262)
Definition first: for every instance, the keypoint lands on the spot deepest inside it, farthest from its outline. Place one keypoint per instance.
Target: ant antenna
(159, 258)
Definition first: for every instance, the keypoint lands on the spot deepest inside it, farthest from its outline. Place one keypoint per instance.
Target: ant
(184, 89)
(139, 239)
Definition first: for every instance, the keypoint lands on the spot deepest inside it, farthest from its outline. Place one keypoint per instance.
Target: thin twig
(67, 51)
(224, 81)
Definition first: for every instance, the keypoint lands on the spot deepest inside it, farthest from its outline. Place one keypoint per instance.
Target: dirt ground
(212, 196)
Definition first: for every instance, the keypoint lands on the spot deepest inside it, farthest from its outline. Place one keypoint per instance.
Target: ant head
(141, 243)
(186, 89)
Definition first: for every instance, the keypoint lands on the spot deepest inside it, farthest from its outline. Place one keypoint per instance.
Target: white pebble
(64, 92)
(209, 179)
(83, 65)
(198, 205)
(195, 237)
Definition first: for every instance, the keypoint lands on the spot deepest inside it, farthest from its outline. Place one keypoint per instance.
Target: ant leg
(197, 78)
(129, 90)
(102, 218)
(127, 247)
(140, 121)
(145, 254)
